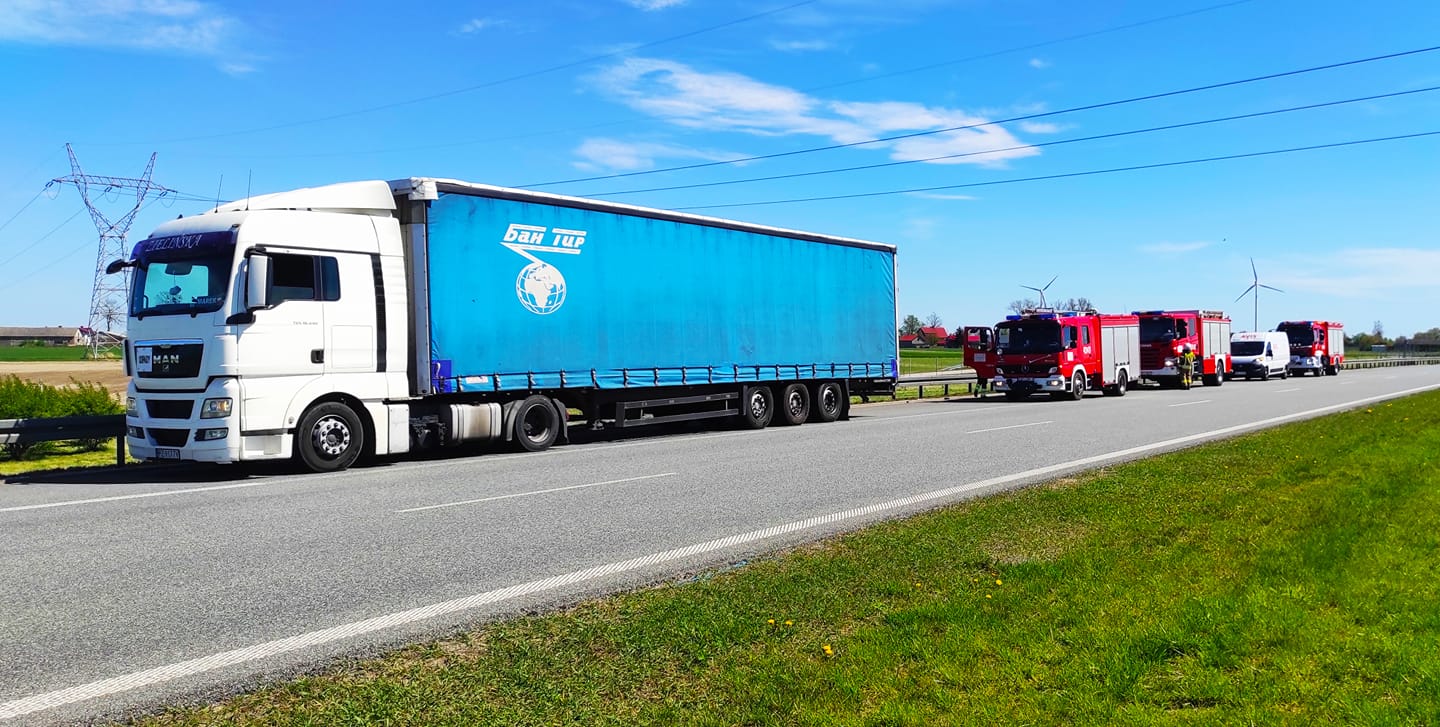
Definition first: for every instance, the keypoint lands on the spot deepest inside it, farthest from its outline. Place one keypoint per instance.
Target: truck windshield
(1155, 330)
(1027, 337)
(1301, 335)
(171, 287)
(1247, 348)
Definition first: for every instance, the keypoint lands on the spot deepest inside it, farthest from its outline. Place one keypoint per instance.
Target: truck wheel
(330, 437)
(1077, 386)
(536, 424)
(757, 406)
(794, 404)
(1217, 378)
(829, 402)
(1122, 382)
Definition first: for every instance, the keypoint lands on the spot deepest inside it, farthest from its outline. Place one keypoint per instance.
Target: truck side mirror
(257, 281)
(116, 266)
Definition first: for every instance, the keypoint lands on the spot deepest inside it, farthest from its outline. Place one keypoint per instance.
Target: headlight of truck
(215, 408)
(130, 409)
(1169, 362)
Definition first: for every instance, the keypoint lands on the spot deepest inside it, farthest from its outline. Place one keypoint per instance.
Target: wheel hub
(331, 436)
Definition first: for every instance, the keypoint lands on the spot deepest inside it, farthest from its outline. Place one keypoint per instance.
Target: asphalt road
(131, 590)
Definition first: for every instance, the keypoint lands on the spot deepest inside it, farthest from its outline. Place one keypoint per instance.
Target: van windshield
(1247, 348)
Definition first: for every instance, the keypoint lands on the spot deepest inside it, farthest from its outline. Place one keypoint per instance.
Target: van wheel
(330, 437)
(794, 404)
(1264, 374)
(536, 424)
(757, 406)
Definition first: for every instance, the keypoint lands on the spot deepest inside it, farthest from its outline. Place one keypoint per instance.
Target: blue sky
(274, 96)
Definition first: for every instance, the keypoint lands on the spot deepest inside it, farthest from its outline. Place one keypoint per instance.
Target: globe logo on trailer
(540, 288)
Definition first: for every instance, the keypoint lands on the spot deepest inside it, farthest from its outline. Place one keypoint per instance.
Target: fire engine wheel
(794, 405)
(1122, 382)
(1077, 388)
(827, 402)
(1216, 378)
(536, 424)
(330, 437)
(757, 406)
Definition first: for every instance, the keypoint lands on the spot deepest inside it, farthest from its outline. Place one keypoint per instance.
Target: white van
(1259, 353)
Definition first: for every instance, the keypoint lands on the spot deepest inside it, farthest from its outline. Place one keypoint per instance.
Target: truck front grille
(170, 437)
(169, 408)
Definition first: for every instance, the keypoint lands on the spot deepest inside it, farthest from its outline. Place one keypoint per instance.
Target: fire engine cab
(1062, 353)
(1315, 346)
(1164, 335)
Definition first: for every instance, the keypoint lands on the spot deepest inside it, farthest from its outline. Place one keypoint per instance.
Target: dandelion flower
(788, 622)
(987, 595)
(999, 582)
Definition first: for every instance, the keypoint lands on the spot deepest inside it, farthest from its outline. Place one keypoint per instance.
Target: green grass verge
(60, 456)
(1286, 577)
(48, 353)
(929, 360)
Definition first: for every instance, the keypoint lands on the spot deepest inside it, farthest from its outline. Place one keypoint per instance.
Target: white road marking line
(1346, 383)
(1012, 426)
(1281, 391)
(134, 680)
(1189, 403)
(538, 492)
(136, 496)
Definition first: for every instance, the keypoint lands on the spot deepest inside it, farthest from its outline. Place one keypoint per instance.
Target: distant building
(48, 336)
(933, 335)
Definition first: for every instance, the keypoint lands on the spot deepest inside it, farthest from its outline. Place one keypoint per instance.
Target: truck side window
(1085, 335)
(1181, 329)
(303, 277)
(1068, 339)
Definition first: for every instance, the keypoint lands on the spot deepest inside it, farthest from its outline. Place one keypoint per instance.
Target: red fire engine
(1164, 335)
(1315, 346)
(979, 353)
(1063, 353)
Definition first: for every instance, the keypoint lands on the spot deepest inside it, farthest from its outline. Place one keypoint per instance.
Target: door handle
(317, 356)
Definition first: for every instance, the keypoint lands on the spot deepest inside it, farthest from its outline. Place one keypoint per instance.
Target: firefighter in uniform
(1187, 366)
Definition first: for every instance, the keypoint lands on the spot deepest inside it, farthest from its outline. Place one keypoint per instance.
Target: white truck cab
(1259, 354)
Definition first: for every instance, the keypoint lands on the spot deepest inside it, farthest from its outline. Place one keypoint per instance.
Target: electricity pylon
(108, 293)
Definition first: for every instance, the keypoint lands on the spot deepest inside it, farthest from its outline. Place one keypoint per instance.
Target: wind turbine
(1256, 286)
(1041, 291)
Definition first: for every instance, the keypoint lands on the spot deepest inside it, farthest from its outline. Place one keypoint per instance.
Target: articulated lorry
(381, 318)
(1063, 353)
(1165, 334)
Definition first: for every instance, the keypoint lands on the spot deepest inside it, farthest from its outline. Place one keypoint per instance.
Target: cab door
(979, 350)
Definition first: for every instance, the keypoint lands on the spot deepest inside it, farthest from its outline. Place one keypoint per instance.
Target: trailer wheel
(757, 406)
(794, 405)
(330, 437)
(828, 402)
(536, 424)
(1122, 382)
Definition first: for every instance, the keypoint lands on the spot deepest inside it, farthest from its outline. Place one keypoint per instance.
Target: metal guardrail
(1376, 363)
(33, 431)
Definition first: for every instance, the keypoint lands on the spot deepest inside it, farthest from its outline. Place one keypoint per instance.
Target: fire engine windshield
(1299, 335)
(1027, 337)
(1156, 330)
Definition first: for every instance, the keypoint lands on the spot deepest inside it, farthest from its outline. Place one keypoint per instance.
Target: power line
(27, 205)
(496, 82)
(1089, 173)
(1133, 132)
(1026, 117)
(42, 238)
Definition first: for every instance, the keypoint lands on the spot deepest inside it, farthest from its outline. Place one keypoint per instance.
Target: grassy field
(59, 456)
(47, 353)
(1286, 577)
(928, 360)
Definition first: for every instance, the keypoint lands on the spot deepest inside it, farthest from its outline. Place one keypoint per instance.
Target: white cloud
(1174, 248)
(726, 101)
(936, 195)
(624, 156)
(1040, 127)
(1039, 63)
(183, 27)
(653, 5)
(1360, 272)
(475, 25)
(801, 46)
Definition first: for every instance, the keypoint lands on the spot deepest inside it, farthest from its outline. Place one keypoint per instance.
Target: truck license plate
(167, 453)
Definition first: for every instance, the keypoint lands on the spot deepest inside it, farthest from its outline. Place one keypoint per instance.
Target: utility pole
(108, 302)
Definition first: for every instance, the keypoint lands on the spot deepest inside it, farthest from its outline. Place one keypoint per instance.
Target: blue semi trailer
(375, 317)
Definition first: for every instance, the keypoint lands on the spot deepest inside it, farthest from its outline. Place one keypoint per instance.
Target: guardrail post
(120, 450)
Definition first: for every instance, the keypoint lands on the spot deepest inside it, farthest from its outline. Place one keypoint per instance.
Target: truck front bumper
(168, 426)
(1030, 385)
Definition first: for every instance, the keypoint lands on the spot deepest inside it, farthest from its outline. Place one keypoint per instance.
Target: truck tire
(757, 406)
(1077, 386)
(827, 401)
(330, 437)
(794, 405)
(536, 424)
(1122, 382)
(1217, 378)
